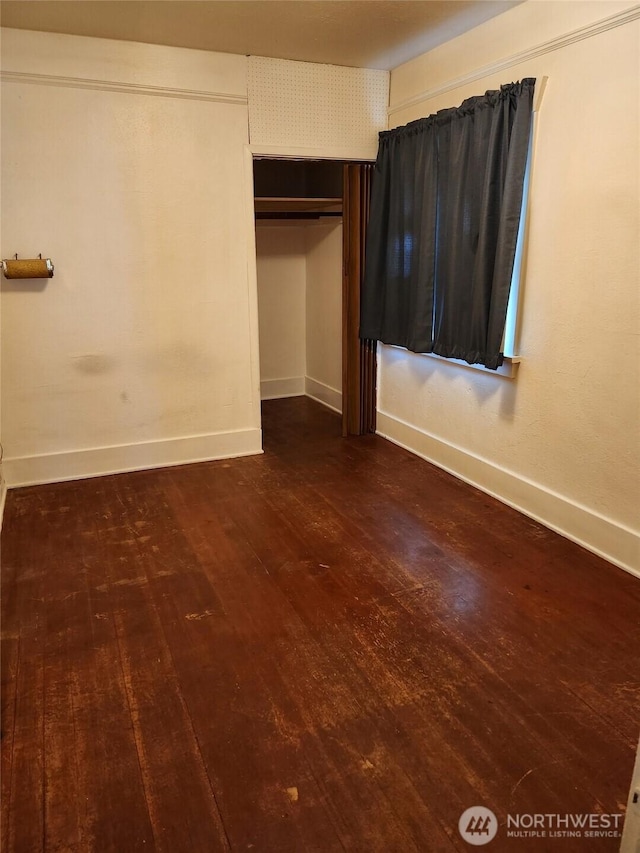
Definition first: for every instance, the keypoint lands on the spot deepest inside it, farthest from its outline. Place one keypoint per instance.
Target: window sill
(507, 370)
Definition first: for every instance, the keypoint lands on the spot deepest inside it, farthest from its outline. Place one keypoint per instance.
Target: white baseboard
(298, 386)
(325, 394)
(275, 389)
(99, 461)
(603, 536)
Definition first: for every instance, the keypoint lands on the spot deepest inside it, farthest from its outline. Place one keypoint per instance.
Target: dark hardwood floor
(333, 646)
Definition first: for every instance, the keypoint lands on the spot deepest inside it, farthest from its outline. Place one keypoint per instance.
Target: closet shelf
(275, 207)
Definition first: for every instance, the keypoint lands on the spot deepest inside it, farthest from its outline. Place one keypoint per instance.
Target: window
(443, 231)
(510, 326)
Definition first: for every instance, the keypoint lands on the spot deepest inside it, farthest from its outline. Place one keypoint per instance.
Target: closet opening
(311, 218)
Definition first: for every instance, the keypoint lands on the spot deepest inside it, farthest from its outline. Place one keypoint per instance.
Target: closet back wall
(299, 270)
(324, 312)
(281, 267)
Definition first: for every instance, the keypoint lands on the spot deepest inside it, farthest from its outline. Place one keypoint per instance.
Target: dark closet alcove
(311, 189)
(297, 189)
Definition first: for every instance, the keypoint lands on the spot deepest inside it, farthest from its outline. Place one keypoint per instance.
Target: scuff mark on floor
(193, 616)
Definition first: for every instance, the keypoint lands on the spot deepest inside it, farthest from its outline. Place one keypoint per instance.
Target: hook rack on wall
(27, 267)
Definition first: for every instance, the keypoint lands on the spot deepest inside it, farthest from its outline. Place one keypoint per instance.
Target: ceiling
(362, 33)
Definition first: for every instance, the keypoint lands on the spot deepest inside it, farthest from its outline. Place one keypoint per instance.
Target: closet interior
(299, 250)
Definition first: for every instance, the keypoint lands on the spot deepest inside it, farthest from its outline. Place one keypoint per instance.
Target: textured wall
(305, 105)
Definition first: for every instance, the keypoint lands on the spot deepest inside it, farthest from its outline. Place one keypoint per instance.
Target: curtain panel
(445, 210)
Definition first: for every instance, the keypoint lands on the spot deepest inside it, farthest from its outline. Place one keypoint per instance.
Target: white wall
(125, 164)
(324, 312)
(561, 440)
(299, 270)
(281, 265)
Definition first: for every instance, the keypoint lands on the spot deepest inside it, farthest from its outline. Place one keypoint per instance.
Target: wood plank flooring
(333, 646)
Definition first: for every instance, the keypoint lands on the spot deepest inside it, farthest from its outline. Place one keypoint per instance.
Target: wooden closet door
(358, 356)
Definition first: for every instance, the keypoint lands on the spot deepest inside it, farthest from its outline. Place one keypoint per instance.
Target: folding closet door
(358, 356)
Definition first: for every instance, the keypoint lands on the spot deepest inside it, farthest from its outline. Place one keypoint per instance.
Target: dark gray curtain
(445, 209)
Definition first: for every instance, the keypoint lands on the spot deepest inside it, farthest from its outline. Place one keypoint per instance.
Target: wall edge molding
(127, 88)
(140, 456)
(323, 393)
(613, 21)
(600, 535)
